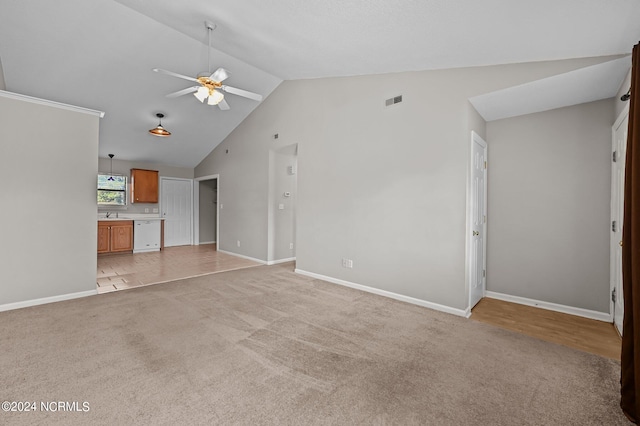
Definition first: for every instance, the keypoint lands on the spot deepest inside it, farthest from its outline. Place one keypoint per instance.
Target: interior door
(478, 219)
(617, 212)
(177, 210)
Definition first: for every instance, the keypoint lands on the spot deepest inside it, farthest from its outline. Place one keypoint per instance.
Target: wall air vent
(393, 101)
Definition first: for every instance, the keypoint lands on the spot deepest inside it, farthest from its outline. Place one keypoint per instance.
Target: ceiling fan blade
(242, 93)
(220, 75)
(223, 105)
(182, 92)
(161, 71)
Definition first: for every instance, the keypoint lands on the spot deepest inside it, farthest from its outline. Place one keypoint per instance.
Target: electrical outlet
(155, 210)
(344, 262)
(238, 243)
(146, 209)
(349, 263)
(220, 206)
(290, 246)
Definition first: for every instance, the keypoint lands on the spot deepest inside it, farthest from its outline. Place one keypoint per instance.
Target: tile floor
(122, 271)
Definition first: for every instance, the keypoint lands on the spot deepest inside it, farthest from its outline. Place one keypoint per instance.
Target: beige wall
(124, 167)
(48, 163)
(385, 187)
(549, 191)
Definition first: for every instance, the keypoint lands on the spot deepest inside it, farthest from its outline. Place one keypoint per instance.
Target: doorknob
(620, 243)
(475, 233)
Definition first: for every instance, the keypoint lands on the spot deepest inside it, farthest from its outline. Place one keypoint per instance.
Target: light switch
(280, 206)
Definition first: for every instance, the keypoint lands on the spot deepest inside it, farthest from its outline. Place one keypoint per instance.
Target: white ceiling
(588, 84)
(99, 54)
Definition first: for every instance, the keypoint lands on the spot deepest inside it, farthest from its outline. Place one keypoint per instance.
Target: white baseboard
(44, 300)
(586, 313)
(243, 256)
(206, 242)
(435, 306)
(275, 262)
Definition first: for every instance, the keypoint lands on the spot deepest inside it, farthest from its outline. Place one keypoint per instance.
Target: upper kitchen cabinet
(144, 186)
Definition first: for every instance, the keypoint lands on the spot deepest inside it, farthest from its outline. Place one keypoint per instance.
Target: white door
(176, 204)
(478, 219)
(617, 213)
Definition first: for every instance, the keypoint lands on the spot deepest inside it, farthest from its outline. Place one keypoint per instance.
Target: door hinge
(485, 164)
(613, 295)
(485, 218)
(484, 273)
(614, 226)
(614, 157)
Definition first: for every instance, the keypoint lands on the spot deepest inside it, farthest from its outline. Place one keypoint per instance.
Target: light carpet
(267, 346)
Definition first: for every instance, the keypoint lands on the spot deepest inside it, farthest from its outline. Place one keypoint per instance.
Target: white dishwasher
(146, 235)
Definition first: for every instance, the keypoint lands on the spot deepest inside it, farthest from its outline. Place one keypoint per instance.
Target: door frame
(164, 178)
(196, 208)
(612, 264)
(468, 238)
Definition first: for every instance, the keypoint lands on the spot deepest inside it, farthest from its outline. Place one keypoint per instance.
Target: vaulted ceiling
(100, 54)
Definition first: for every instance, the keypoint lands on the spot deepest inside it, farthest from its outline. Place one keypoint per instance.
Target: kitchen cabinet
(115, 236)
(144, 186)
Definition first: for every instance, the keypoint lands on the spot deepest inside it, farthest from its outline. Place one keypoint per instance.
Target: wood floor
(122, 271)
(588, 335)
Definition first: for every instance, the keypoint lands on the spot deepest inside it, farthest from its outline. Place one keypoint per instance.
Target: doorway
(619, 154)
(282, 200)
(177, 210)
(477, 220)
(206, 210)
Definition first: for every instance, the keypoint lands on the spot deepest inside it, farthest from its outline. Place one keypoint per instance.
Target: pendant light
(111, 172)
(159, 130)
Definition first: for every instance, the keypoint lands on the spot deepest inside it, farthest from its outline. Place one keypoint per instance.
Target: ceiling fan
(210, 85)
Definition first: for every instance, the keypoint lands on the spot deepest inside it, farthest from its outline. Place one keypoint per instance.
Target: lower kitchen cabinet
(115, 236)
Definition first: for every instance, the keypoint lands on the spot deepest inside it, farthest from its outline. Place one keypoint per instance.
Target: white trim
(275, 262)
(624, 113)
(45, 300)
(45, 102)
(435, 306)
(264, 262)
(580, 312)
(206, 242)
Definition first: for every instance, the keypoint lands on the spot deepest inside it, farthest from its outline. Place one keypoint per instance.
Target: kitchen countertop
(129, 217)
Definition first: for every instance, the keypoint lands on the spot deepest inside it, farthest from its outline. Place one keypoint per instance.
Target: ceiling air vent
(393, 101)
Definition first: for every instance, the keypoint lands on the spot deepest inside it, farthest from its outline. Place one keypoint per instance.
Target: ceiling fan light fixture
(159, 130)
(201, 94)
(215, 97)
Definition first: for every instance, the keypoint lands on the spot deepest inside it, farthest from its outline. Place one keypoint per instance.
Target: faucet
(107, 215)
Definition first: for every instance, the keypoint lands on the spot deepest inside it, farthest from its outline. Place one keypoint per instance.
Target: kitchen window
(112, 190)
